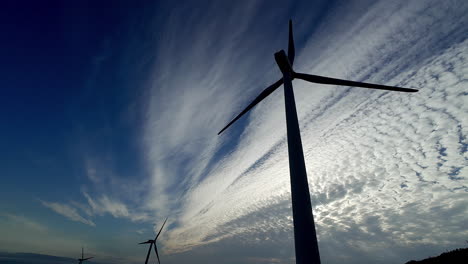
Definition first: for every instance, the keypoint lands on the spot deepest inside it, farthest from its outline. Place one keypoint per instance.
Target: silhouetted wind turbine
(305, 238)
(151, 242)
(80, 260)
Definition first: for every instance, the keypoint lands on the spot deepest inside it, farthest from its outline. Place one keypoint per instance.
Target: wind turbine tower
(80, 260)
(305, 238)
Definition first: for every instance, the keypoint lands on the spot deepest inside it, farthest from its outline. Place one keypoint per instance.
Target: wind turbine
(305, 238)
(153, 241)
(80, 260)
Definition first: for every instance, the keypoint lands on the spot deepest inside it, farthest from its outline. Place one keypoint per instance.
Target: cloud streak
(67, 211)
(26, 222)
(95, 207)
(115, 208)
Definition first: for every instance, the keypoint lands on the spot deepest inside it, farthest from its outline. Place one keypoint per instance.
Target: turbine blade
(259, 98)
(88, 258)
(291, 49)
(160, 231)
(147, 255)
(328, 80)
(147, 242)
(156, 250)
(82, 252)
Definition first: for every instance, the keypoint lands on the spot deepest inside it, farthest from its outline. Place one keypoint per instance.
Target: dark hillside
(31, 258)
(457, 256)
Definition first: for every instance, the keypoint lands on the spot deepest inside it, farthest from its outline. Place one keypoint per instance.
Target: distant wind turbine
(151, 242)
(305, 238)
(80, 260)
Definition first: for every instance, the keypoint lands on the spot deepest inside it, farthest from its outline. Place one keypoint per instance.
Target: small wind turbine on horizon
(305, 238)
(153, 242)
(80, 260)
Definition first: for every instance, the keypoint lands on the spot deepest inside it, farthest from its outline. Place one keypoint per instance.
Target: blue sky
(110, 112)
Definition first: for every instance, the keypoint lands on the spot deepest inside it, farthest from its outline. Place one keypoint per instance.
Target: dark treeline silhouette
(457, 256)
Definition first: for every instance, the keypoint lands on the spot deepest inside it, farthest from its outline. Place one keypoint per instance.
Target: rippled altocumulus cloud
(389, 175)
(387, 170)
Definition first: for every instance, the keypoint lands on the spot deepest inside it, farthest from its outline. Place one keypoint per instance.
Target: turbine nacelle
(283, 62)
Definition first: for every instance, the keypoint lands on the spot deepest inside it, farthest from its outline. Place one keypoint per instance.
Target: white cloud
(25, 222)
(67, 211)
(101, 206)
(186, 124)
(115, 208)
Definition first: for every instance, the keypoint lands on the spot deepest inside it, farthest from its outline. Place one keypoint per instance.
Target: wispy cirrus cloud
(25, 222)
(95, 207)
(117, 209)
(67, 211)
